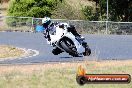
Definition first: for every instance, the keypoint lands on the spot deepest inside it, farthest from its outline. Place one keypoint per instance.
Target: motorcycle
(66, 39)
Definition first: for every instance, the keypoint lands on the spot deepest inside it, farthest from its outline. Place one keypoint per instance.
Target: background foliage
(119, 10)
(31, 8)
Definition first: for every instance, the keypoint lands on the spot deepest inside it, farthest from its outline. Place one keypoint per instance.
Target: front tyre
(68, 45)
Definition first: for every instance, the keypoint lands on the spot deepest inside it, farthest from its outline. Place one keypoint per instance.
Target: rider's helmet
(46, 21)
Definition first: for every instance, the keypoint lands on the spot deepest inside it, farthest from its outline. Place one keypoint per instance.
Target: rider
(46, 22)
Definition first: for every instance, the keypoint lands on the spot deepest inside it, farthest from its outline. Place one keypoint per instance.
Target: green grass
(62, 77)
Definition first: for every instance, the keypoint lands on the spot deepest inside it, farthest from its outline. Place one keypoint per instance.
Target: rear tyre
(87, 52)
(87, 49)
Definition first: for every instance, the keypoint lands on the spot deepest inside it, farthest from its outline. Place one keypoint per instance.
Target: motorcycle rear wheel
(87, 52)
(87, 49)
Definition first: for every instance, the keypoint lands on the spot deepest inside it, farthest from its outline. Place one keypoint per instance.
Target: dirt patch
(10, 51)
(59, 75)
(29, 68)
(3, 9)
(110, 63)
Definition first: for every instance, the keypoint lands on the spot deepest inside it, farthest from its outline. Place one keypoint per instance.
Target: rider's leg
(73, 30)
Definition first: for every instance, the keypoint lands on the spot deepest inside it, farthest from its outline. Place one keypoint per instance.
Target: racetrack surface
(103, 47)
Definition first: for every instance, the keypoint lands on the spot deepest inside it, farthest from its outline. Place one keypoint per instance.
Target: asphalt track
(103, 47)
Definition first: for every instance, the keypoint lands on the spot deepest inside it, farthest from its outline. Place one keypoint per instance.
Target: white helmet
(46, 20)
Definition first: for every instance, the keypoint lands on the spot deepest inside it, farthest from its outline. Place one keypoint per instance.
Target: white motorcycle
(66, 39)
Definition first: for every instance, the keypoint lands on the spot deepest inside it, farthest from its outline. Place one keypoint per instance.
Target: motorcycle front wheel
(68, 45)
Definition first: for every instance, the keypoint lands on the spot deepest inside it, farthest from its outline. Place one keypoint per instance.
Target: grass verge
(60, 75)
(7, 51)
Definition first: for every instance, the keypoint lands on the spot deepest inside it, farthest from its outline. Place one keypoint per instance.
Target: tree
(88, 12)
(119, 10)
(31, 8)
